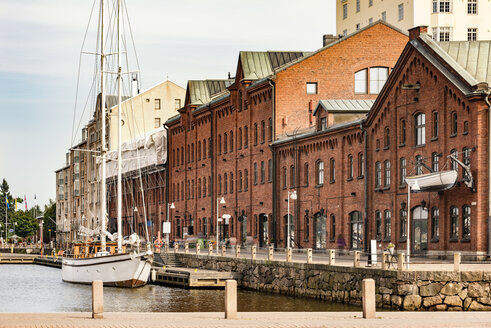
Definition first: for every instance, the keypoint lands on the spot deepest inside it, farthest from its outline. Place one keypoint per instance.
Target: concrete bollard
(210, 249)
(224, 250)
(368, 298)
(198, 248)
(309, 255)
(237, 251)
(356, 259)
(230, 299)
(253, 253)
(154, 275)
(332, 256)
(186, 248)
(97, 299)
(289, 254)
(270, 253)
(456, 261)
(384, 260)
(400, 261)
(176, 247)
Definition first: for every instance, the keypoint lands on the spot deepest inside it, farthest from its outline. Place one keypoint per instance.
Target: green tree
(49, 219)
(25, 224)
(5, 194)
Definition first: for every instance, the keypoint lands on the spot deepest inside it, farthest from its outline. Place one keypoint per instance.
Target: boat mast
(103, 132)
(120, 198)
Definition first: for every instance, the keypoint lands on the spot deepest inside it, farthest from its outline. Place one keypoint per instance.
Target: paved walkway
(248, 319)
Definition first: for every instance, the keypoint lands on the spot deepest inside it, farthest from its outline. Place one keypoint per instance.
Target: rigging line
(79, 68)
(131, 35)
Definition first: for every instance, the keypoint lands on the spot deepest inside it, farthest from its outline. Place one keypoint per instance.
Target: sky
(41, 41)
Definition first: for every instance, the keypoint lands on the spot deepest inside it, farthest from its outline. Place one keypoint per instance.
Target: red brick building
(220, 143)
(434, 103)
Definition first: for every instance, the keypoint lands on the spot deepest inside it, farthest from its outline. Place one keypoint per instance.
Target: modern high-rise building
(447, 20)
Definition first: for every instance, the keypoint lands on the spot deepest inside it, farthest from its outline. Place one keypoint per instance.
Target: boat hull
(437, 181)
(119, 270)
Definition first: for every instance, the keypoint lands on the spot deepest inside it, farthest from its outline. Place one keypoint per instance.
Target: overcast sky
(40, 42)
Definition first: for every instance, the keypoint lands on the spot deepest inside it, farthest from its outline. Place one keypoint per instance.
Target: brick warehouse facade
(220, 143)
(433, 105)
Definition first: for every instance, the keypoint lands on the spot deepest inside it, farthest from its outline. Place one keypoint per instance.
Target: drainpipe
(486, 100)
(167, 175)
(273, 150)
(365, 185)
(211, 156)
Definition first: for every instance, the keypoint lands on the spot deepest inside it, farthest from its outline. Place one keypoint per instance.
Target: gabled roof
(203, 91)
(260, 64)
(344, 106)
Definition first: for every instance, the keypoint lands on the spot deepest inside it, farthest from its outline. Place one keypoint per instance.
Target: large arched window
(361, 81)
(319, 173)
(419, 129)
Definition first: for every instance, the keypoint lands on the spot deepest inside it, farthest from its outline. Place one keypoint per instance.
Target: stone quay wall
(397, 290)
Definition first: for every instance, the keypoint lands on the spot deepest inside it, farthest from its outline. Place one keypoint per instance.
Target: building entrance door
(420, 230)
(320, 230)
(263, 230)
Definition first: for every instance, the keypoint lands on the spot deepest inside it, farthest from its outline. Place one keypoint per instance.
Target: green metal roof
(260, 64)
(203, 91)
(345, 105)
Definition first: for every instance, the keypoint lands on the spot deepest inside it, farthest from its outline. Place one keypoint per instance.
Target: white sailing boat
(435, 181)
(110, 264)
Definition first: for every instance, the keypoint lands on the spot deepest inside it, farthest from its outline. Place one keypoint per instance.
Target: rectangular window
(387, 225)
(270, 170)
(378, 225)
(311, 88)
(370, 3)
(378, 175)
(177, 103)
(345, 11)
(472, 7)
(332, 170)
(435, 125)
(466, 223)
(403, 132)
(420, 134)
(454, 222)
(384, 16)
(387, 174)
(263, 172)
(472, 34)
(442, 34)
(157, 122)
(401, 11)
(361, 165)
(378, 76)
(435, 162)
(370, 20)
(357, 6)
(358, 26)
(435, 218)
(323, 123)
(255, 173)
(157, 103)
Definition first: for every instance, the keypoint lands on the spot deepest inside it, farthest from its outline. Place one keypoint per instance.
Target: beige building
(447, 20)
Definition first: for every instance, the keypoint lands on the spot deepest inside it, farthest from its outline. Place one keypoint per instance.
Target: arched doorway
(320, 230)
(263, 234)
(356, 230)
(420, 229)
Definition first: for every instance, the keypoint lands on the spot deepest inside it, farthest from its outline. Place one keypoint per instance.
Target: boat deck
(193, 278)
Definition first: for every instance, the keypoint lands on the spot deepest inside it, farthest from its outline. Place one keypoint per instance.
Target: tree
(25, 224)
(5, 194)
(49, 219)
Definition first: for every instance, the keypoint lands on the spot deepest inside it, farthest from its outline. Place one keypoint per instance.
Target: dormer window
(323, 125)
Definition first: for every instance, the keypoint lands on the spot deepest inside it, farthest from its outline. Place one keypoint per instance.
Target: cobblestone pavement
(247, 319)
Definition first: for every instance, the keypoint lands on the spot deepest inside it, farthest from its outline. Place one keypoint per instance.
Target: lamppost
(292, 195)
(221, 201)
(169, 206)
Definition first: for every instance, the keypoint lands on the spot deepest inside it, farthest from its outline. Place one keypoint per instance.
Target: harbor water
(34, 288)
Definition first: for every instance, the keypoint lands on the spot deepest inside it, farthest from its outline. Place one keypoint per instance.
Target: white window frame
(400, 9)
(311, 88)
(376, 81)
(361, 78)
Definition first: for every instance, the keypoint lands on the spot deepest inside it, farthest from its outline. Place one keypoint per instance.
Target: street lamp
(292, 195)
(221, 201)
(169, 206)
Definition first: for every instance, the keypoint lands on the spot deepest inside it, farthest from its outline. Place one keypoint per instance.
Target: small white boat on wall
(435, 181)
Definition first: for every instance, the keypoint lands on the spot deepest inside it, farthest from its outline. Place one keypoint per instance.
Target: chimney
(415, 32)
(328, 38)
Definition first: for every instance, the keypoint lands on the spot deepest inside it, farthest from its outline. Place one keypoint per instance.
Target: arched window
(209, 185)
(263, 172)
(225, 183)
(284, 177)
(204, 148)
(387, 138)
(435, 159)
(387, 173)
(378, 225)
(192, 152)
(306, 173)
(246, 136)
(350, 167)
(219, 184)
(419, 129)
(332, 170)
(188, 157)
(199, 188)
(361, 165)
(435, 125)
(466, 223)
(219, 144)
(435, 228)
(454, 124)
(263, 131)
(454, 223)
(177, 160)
(182, 190)
(419, 165)
(225, 142)
(240, 181)
(199, 150)
(231, 141)
(255, 173)
(333, 227)
(246, 180)
(387, 225)
(378, 175)
(403, 132)
(403, 224)
(231, 183)
(239, 141)
(177, 192)
(361, 81)
(403, 168)
(454, 164)
(255, 134)
(319, 173)
(466, 159)
(204, 187)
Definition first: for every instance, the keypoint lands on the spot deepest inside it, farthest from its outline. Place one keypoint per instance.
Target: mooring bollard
(154, 275)
(253, 253)
(176, 247)
(237, 251)
(400, 261)
(198, 248)
(210, 249)
(368, 298)
(356, 259)
(456, 261)
(186, 248)
(230, 299)
(289, 254)
(270, 253)
(224, 250)
(332, 256)
(97, 299)
(384, 260)
(309, 255)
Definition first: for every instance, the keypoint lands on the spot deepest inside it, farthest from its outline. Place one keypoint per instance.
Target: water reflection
(32, 288)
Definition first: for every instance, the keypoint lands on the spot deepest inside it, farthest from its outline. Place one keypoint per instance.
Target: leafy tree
(25, 224)
(49, 219)
(5, 194)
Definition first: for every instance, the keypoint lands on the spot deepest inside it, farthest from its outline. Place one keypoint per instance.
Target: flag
(7, 203)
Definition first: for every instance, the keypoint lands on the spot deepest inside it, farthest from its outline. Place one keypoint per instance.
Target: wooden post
(237, 251)
(332, 257)
(270, 253)
(253, 252)
(400, 261)
(186, 248)
(230, 299)
(309, 255)
(456, 261)
(224, 250)
(356, 259)
(97, 299)
(368, 298)
(289, 254)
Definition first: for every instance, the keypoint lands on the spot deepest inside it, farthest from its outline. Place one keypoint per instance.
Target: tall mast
(120, 237)
(103, 132)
